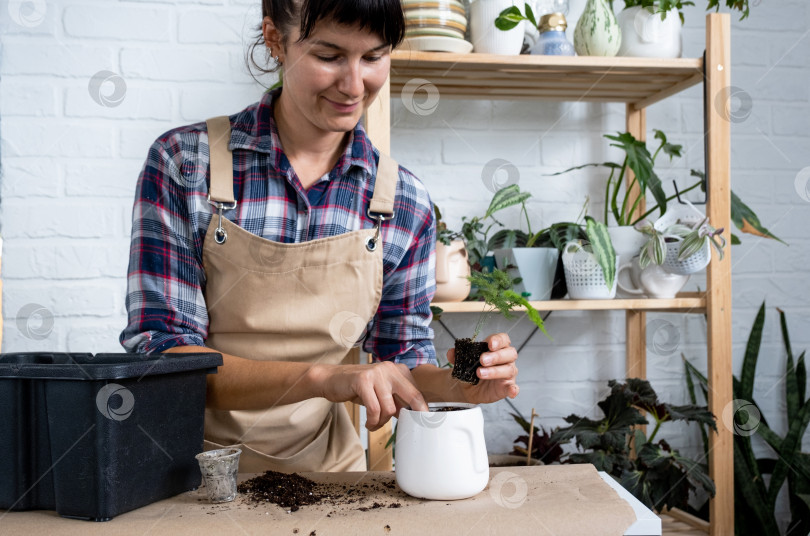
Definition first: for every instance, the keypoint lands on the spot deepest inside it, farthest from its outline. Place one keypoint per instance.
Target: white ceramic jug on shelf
(653, 281)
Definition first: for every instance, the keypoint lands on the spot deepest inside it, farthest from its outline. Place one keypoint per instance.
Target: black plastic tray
(93, 436)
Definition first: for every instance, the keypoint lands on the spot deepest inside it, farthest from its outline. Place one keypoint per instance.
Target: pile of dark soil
(447, 408)
(292, 491)
(286, 490)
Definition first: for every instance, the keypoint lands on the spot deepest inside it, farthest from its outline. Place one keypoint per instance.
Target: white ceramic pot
(441, 455)
(452, 270)
(597, 32)
(645, 35)
(535, 266)
(653, 281)
(486, 38)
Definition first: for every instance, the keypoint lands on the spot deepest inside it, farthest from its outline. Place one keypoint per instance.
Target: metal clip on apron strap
(220, 192)
(381, 206)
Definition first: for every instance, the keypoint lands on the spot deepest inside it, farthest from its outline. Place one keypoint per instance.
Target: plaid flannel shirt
(166, 282)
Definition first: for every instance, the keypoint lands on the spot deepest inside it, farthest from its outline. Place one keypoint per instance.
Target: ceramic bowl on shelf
(435, 26)
(437, 43)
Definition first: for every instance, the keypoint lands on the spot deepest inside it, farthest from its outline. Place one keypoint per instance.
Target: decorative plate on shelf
(437, 43)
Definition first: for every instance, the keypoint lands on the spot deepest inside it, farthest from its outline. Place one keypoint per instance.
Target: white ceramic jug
(653, 281)
(441, 455)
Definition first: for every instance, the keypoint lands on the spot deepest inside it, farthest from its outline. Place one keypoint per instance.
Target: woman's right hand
(383, 388)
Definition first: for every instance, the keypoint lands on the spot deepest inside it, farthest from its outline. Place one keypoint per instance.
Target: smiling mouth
(342, 106)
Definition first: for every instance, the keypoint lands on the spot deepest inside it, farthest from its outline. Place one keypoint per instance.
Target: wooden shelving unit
(687, 302)
(638, 83)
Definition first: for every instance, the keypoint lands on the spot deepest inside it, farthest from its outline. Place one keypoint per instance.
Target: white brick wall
(69, 166)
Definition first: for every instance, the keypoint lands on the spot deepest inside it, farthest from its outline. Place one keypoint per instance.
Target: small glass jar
(552, 40)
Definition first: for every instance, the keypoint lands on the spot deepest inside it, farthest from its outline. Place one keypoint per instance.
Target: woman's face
(331, 77)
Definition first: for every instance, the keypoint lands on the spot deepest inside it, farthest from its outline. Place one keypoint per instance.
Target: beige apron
(306, 302)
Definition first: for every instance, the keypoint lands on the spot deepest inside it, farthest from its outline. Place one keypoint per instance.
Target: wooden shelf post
(635, 320)
(718, 273)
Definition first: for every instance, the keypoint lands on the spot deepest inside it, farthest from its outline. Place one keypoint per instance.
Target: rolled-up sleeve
(164, 301)
(400, 330)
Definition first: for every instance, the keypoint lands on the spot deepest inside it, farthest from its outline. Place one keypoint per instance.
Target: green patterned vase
(597, 32)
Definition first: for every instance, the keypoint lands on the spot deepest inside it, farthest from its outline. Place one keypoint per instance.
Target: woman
(296, 241)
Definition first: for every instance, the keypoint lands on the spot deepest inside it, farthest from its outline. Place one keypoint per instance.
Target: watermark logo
(107, 89)
(267, 255)
(420, 106)
(741, 417)
(193, 171)
(508, 490)
(663, 338)
(499, 173)
(27, 13)
(734, 104)
(802, 184)
(429, 419)
(107, 401)
(35, 321)
(346, 328)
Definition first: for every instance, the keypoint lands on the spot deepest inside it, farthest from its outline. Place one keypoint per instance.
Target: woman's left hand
(498, 372)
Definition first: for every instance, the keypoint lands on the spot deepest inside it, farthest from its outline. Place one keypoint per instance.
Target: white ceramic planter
(486, 38)
(645, 35)
(535, 266)
(441, 455)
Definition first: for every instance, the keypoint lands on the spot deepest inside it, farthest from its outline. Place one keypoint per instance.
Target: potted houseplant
(486, 39)
(657, 475)
(476, 230)
(495, 288)
(652, 28)
(591, 265)
(682, 247)
(784, 470)
(452, 266)
(532, 265)
(621, 202)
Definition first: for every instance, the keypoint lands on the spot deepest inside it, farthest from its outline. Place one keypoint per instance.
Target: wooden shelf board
(578, 78)
(688, 302)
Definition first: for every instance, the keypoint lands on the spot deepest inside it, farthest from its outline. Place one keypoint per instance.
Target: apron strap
(385, 187)
(221, 158)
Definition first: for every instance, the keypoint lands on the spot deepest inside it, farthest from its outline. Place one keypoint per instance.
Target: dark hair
(383, 18)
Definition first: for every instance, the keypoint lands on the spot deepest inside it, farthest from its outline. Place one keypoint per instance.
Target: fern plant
(495, 288)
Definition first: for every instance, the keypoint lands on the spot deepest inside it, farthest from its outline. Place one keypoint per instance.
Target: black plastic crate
(96, 436)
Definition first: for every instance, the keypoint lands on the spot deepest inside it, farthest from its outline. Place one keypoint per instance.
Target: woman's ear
(273, 38)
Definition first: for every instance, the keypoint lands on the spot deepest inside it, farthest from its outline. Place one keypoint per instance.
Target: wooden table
(545, 500)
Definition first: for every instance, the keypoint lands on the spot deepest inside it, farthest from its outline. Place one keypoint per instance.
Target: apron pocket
(310, 458)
